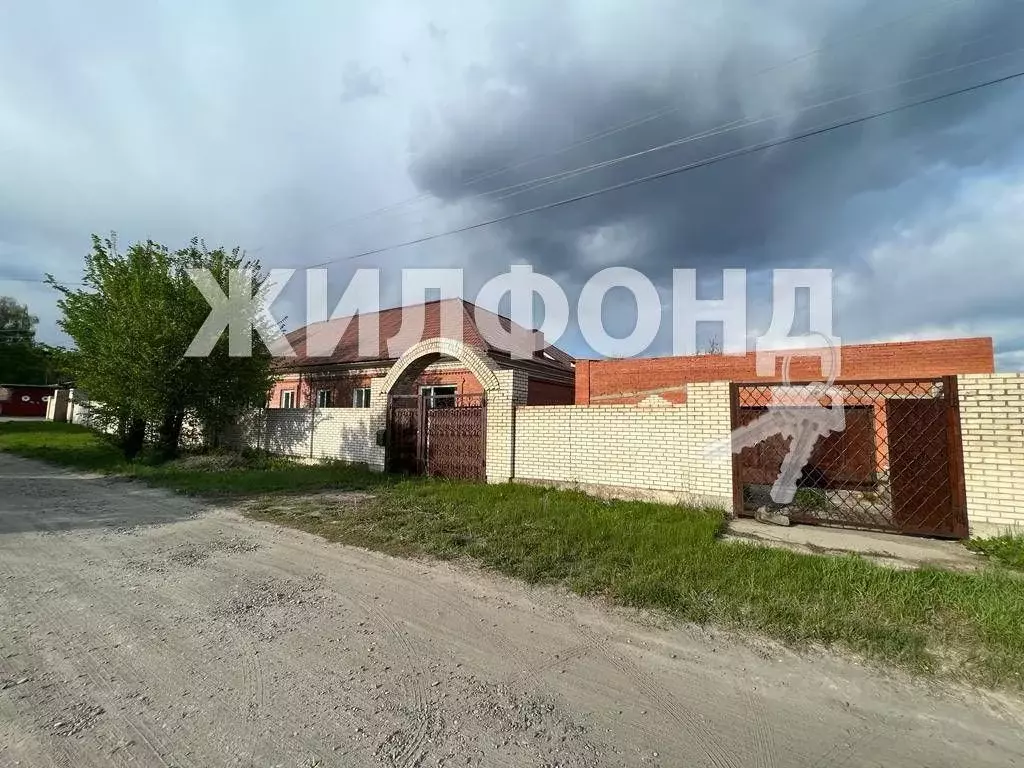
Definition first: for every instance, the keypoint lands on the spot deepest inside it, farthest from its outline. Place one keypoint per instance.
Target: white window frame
(431, 391)
(361, 397)
(287, 398)
(323, 398)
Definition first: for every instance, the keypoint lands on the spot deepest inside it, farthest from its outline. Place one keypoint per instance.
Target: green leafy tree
(17, 324)
(23, 360)
(133, 322)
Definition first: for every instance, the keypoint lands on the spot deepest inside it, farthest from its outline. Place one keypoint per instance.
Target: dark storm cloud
(785, 206)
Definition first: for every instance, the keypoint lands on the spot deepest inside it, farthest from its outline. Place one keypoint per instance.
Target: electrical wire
(734, 125)
(628, 125)
(529, 186)
(750, 149)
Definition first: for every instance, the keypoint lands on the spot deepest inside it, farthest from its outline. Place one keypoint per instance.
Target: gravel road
(142, 629)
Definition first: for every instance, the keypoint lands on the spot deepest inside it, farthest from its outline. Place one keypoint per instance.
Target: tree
(17, 326)
(22, 359)
(713, 347)
(133, 322)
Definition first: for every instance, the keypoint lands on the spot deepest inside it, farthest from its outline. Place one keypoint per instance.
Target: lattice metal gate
(897, 465)
(438, 435)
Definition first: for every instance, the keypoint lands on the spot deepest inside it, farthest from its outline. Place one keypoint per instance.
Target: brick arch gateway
(456, 436)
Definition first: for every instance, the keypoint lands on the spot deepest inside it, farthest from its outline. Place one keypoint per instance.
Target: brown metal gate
(440, 436)
(402, 452)
(897, 465)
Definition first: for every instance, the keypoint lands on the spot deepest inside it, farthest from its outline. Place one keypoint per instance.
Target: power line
(719, 130)
(669, 110)
(604, 133)
(680, 169)
(34, 280)
(739, 123)
(529, 186)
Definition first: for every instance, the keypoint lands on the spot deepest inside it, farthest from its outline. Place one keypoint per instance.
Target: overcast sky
(276, 126)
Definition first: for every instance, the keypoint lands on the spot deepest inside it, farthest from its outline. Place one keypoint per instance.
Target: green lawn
(635, 554)
(222, 476)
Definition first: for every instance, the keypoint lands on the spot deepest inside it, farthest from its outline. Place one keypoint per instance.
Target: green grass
(65, 444)
(636, 554)
(212, 476)
(1007, 549)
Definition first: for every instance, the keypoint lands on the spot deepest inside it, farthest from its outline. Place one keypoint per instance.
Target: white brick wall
(283, 431)
(348, 434)
(658, 450)
(992, 429)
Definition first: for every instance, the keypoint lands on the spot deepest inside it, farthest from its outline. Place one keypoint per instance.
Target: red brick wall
(539, 392)
(606, 382)
(342, 386)
(466, 382)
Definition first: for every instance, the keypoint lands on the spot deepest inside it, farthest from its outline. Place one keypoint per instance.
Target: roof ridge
(470, 316)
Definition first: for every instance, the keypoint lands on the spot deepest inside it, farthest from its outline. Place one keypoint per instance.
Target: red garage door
(25, 401)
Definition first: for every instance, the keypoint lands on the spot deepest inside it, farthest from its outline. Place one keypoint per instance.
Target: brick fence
(346, 434)
(656, 451)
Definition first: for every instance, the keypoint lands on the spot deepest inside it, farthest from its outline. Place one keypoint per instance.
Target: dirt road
(141, 629)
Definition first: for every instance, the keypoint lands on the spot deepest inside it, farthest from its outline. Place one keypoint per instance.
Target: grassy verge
(213, 475)
(636, 554)
(1007, 549)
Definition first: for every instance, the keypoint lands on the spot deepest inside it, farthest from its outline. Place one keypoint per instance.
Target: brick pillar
(711, 422)
(501, 404)
(992, 433)
(582, 376)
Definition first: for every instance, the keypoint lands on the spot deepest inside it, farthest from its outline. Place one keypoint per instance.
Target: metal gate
(402, 453)
(897, 465)
(438, 435)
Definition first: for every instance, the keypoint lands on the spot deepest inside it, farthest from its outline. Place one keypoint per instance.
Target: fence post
(737, 477)
(312, 428)
(955, 456)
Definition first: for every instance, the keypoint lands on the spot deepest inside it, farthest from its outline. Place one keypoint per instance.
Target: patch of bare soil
(484, 722)
(270, 607)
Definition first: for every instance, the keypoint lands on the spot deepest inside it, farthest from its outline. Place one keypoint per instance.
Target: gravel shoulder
(144, 629)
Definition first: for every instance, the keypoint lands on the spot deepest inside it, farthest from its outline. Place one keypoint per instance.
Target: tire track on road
(691, 723)
(98, 679)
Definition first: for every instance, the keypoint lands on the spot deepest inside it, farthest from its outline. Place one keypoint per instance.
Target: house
(342, 379)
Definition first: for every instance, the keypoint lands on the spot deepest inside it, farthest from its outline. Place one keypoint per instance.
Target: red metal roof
(393, 340)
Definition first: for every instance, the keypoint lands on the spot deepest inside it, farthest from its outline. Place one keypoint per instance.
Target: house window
(288, 398)
(323, 398)
(361, 397)
(440, 396)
